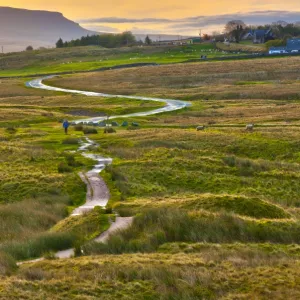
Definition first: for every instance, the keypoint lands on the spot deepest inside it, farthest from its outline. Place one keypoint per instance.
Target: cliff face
(20, 28)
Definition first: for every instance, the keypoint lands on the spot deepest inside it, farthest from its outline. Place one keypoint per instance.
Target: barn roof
(293, 44)
(260, 33)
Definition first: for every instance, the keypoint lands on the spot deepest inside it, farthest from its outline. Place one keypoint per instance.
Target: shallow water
(171, 104)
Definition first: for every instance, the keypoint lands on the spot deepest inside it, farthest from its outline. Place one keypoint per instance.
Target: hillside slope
(20, 28)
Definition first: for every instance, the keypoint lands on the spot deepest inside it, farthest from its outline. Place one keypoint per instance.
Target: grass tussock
(7, 264)
(158, 226)
(23, 220)
(87, 226)
(37, 247)
(162, 276)
(241, 205)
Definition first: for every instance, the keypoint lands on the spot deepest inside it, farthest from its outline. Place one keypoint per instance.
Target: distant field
(91, 58)
(242, 47)
(20, 105)
(221, 93)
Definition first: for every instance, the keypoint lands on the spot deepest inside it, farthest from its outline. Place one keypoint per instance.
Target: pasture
(216, 211)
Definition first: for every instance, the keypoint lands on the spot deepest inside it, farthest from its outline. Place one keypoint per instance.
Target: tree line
(235, 30)
(107, 40)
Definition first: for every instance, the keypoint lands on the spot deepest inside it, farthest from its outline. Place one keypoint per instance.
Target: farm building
(293, 45)
(277, 50)
(261, 36)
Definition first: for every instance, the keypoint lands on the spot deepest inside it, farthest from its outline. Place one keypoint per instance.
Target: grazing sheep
(249, 127)
(200, 127)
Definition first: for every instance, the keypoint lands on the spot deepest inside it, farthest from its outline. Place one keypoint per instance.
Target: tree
(148, 41)
(127, 38)
(29, 48)
(60, 43)
(237, 33)
(232, 25)
(206, 37)
(234, 29)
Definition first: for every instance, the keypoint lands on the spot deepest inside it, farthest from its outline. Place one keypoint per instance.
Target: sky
(157, 16)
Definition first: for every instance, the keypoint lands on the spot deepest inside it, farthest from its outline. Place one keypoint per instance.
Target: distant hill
(20, 28)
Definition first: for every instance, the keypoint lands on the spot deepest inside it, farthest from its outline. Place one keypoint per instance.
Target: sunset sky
(158, 16)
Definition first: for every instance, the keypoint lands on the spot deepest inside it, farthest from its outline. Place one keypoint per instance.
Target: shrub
(70, 141)
(109, 130)
(7, 264)
(29, 48)
(77, 251)
(133, 128)
(275, 43)
(89, 130)
(50, 255)
(11, 130)
(34, 274)
(108, 210)
(64, 168)
(78, 127)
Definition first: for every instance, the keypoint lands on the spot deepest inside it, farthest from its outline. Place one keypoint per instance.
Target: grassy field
(91, 58)
(216, 211)
(20, 105)
(221, 93)
(242, 47)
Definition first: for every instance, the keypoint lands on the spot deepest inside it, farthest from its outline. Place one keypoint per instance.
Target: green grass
(38, 246)
(158, 226)
(159, 276)
(244, 206)
(216, 212)
(155, 163)
(87, 226)
(92, 58)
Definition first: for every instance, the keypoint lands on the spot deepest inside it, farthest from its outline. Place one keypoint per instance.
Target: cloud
(191, 25)
(115, 20)
(102, 28)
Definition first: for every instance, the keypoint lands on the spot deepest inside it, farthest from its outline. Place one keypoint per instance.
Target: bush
(64, 168)
(70, 141)
(89, 130)
(7, 264)
(70, 159)
(34, 274)
(109, 130)
(275, 43)
(78, 127)
(11, 130)
(29, 48)
(108, 210)
(133, 128)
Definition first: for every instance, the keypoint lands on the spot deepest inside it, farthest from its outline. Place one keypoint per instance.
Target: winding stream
(94, 182)
(97, 191)
(171, 104)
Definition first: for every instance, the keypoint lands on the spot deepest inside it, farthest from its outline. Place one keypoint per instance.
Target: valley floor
(215, 211)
